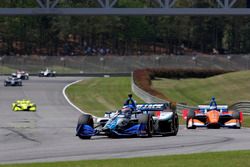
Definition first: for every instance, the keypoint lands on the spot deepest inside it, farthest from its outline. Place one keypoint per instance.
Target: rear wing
(221, 108)
(152, 106)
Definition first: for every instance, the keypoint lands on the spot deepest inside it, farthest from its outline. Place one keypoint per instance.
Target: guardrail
(243, 106)
(145, 96)
(148, 98)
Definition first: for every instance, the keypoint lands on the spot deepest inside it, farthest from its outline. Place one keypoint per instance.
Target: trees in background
(123, 35)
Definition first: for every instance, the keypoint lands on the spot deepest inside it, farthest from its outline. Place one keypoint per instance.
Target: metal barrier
(120, 64)
(145, 96)
(148, 98)
(243, 106)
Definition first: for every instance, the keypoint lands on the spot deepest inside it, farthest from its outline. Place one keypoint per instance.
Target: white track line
(66, 97)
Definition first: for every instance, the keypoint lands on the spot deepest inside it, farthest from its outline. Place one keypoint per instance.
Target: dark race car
(149, 119)
(13, 81)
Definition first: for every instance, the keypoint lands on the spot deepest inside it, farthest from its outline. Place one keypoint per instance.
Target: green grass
(219, 159)
(246, 120)
(228, 88)
(6, 70)
(61, 69)
(99, 95)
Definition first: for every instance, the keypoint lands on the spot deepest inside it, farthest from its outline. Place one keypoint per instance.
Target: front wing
(135, 130)
(16, 107)
(232, 123)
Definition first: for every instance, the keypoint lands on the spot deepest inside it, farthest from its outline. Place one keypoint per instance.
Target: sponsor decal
(158, 106)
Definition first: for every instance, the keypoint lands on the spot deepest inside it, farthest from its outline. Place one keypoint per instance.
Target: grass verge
(218, 159)
(227, 88)
(96, 96)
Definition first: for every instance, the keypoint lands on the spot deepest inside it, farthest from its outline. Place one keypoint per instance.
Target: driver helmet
(125, 109)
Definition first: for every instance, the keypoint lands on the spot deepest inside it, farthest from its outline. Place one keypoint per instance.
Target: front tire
(148, 120)
(85, 119)
(191, 115)
(236, 115)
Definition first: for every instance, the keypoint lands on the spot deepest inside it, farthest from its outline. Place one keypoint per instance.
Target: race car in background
(24, 105)
(12, 81)
(47, 73)
(149, 119)
(21, 75)
(212, 116)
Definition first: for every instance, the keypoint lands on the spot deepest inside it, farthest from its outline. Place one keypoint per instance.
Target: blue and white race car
(12, 81)
(149, 119)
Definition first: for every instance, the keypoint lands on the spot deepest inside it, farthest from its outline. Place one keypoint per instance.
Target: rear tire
(175, 125)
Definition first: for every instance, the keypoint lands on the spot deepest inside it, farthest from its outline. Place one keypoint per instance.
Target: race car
(212, 116)
(149, 119)
(12, 81)
(24, 105)
(47, 73)
(21, 75)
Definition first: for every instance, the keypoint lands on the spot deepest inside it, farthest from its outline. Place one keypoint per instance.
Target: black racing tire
(84, 137)
(175, 125)
(148, 120)
(191, 115)
(236, 115)
(86, 119)
(5, 84)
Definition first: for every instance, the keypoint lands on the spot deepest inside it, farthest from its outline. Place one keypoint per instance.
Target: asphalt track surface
(49, 134)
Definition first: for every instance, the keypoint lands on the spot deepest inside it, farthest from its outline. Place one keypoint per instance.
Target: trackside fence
(243, 106)
(148, 98)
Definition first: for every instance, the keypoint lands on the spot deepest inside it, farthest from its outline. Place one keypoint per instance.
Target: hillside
(227, 88)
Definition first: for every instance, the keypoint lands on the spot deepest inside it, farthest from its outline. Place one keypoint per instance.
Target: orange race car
(212, 116)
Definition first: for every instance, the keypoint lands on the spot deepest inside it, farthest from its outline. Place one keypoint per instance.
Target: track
(49, 133)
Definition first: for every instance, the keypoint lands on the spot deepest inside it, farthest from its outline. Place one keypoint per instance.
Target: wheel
(190, 115)
(85, 119)
(175, 125)
(5, 84)
(148, 120)
(236, 115)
